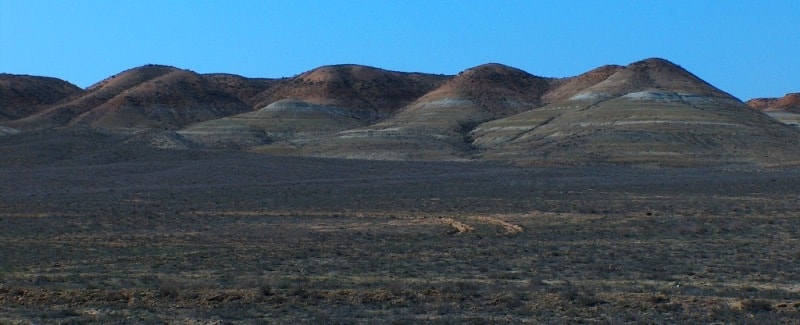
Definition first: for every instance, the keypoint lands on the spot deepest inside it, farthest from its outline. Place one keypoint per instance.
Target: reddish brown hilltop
(170, 101)
(785, 109)
(22, 95)
(94, 96)
(652, 74)
(562, 89)
(789, 103)
(354, 87)
(152, 96)
(496, 88)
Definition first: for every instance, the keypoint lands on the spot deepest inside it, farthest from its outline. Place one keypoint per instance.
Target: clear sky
(747, 48)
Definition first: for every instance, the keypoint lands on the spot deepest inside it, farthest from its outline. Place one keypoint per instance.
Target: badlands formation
(785, 109)
(651, 112)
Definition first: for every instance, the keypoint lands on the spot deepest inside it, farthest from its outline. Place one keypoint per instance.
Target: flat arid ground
(151, 236)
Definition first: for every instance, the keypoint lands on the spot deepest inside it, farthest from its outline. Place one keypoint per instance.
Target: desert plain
(635, 194)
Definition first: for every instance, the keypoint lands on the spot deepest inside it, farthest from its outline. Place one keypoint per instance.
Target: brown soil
(355, 87)
(151, 96)
(22, 95)
(170, 101)
(244, 89)
(789, 103)
(563, 89)
(93, 97)
(655, 73)
(497, 88)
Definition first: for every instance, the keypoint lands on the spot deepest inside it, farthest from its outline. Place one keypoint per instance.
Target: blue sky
(747, 48)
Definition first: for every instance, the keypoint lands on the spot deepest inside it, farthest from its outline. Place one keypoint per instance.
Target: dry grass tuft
(510, 228)
(458, 227)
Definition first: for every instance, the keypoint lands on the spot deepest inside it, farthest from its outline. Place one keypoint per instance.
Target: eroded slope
(652, 111)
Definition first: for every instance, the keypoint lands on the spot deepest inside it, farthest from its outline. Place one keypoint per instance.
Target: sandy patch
(4, 130)
(639, 122)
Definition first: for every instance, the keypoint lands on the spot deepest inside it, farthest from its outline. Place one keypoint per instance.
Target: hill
(785, 109)
(284, 120)
(788, 103)
(94, 96)
(649, 112)
(433, 126)
(22, 95)
(151, 96)
(315, 104)
(353, 87)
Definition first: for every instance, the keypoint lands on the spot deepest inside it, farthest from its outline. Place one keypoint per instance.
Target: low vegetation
(234, 238)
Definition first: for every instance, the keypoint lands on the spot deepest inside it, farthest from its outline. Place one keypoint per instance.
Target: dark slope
(22, 95)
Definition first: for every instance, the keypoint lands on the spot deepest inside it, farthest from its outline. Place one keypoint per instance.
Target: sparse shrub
(756, 305)
(590, 300)
(300, 293)
(248, 283)
(507, 300)
(41, 279)
(266, 290)
(670, 307)
(692, 228)
(658, 298)
(167, 288)
(63, 314)
(583, 299)
(396, 288)
(460, 287)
